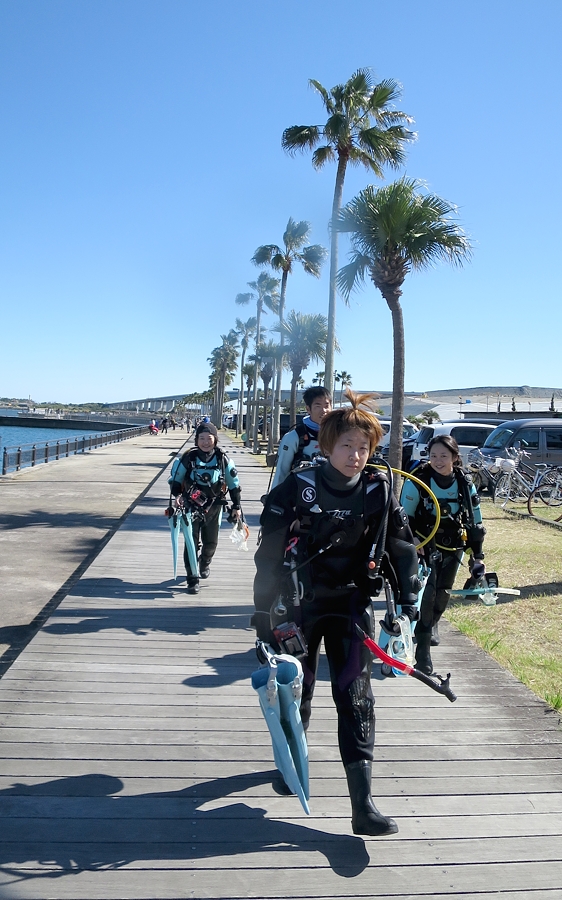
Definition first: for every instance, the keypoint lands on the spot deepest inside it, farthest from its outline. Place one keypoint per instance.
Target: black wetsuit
(336, 585)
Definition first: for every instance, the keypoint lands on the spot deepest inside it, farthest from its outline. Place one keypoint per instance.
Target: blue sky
(141, 166)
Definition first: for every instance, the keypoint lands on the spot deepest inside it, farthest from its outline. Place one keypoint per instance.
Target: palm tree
(345, 382)
(248, 372)
(245, 330)
(319, 378)
(268, 357)
(305, 342)
(265, 293)
(395, 229)
(362, 129)
(282, 260)
(223, 366)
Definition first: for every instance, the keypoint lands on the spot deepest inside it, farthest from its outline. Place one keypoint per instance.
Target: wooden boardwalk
(134, 762)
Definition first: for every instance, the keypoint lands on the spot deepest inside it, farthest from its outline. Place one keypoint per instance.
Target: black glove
(411, 611)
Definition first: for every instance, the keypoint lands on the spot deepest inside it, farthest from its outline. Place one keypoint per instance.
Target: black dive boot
(435, 639)
(365, 817)
(423, 654)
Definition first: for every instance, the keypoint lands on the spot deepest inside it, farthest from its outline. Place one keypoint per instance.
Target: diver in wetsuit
(460, 527)
(301, 442)
(338, 501)
(209, 471)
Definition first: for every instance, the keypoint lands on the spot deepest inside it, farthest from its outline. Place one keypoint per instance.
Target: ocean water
(16, 435)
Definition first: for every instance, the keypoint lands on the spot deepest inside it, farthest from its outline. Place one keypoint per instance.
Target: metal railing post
(33, 454)
(5, 461)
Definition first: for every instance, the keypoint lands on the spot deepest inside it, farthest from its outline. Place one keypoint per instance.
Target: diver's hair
(451, 445)
(344, 418)
(312, 393)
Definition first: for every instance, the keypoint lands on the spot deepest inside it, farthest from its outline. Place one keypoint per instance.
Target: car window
(553, 438)
(408, 431)
(470, 437)
(385, 427)
(499, 438)
(425, 435)
(529, 438)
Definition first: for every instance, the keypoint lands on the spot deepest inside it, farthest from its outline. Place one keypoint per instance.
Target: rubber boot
(435, 639)
(423, 654)
(365, 817)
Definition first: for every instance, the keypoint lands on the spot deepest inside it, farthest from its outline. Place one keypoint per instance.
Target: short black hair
(312, 393)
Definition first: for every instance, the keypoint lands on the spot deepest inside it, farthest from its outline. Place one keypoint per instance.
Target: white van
(468, 435)
(408, 430)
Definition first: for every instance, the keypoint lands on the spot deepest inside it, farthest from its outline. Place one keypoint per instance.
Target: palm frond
(296, 234)
(386, 146)
(263, 255)
(337, 128)
(243, 299)
(323, 93)
(312, 259)
(300, 137)
(322, 155)
(361, 82)
(396, 228)
(382, 94)
(352, 275)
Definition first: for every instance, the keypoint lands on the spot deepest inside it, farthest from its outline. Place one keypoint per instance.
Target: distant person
(301, 441)
(164, 425)
(202, 479)
(460, 527)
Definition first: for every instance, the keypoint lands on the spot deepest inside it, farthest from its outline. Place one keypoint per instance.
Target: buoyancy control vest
(456, 528)
(211, 479)
(305, 439)
(324, 516)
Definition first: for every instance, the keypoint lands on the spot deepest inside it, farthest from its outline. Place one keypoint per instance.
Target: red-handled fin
(441, 685)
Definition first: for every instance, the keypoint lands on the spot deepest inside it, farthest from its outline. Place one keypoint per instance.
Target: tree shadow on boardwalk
(74, 824)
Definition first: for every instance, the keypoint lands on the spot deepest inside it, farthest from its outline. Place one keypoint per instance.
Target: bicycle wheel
(510, 489)
(545, 502)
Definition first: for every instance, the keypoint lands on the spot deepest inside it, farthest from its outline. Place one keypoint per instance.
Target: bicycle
(545, 501)
(483, 470)
(517, 481)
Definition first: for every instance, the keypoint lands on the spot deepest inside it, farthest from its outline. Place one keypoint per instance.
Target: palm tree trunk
(240, 407)
(293, 402)
(255, 415)
(332, 292)
(395, 447)
(276, 409)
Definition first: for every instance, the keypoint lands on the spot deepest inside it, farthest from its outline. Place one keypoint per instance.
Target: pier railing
(25, 455)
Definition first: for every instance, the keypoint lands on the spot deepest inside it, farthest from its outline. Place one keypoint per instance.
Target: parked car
(408, 431)
(541, 439)
(407, 446)
(285, 422)
(468, 435)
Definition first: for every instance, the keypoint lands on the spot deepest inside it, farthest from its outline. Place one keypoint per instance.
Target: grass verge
(524, 634)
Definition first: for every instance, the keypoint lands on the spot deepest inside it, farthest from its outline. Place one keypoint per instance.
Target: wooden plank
(351, 878)
(135, 762)
(319, 753)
